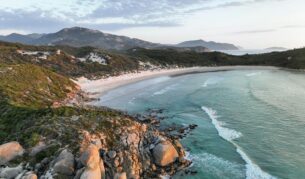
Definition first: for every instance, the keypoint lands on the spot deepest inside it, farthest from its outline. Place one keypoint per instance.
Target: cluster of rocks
(8, 152)
(139, 151)
(154, 118)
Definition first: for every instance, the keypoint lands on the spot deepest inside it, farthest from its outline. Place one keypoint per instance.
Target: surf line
(253, 171)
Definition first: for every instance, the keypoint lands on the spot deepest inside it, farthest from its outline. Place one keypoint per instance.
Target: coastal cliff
(48, 132)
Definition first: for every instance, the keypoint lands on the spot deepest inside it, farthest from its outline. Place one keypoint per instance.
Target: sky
(251, 24)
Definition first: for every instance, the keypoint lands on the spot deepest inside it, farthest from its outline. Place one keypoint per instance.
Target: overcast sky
(251, 24)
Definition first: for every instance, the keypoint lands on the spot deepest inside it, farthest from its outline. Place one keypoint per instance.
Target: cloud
(38, 16)
(256, 31)
(29, 21)
(228, 4)
(293, 27)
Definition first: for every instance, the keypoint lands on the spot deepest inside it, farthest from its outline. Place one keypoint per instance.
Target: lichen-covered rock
(9, 173)
(10, 151)
(165, 153)
(65, 163)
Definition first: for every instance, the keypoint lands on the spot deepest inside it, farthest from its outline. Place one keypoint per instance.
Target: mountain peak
(79, 29)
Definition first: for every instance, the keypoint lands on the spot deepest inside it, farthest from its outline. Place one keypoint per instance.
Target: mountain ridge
(80, 37)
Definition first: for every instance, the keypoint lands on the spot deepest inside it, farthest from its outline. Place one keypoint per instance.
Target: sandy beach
(98, 88)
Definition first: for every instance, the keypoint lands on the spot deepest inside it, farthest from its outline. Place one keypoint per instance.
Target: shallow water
(251, 124)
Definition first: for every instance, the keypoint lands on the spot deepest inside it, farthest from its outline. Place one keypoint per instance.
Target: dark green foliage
(289, 59)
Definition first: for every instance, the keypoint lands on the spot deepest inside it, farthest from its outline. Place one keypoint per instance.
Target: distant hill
(276, 49)
(81, 37)
(25, 39)
(210, 45)
(197, 49)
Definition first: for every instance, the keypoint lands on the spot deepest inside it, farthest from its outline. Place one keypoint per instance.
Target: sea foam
(165, 90)
(226, 133)
(212, 81)
(253, 74)
(217, 166)
(253, 171)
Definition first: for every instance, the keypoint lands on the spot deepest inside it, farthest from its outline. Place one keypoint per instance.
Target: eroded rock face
(165, 153)
(65, 163)
(120, 176)
(9, 151)
(91, 158)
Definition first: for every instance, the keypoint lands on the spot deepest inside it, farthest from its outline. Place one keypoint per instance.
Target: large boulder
(65, 163)
(165, 153)
(94, 165)
(9, 151)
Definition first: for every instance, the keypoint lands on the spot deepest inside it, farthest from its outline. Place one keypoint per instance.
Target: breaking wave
(211, 81)
(226, 133)
(253, 171)
(165, 90)
(216, 166)
(253, 74)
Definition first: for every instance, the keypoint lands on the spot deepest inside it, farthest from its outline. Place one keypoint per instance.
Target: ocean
(251, 123)
(250, 51)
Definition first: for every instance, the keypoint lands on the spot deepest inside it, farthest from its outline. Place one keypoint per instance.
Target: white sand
(97, 88)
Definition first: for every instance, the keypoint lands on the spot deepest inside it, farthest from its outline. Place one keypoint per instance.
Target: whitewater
(253, 171)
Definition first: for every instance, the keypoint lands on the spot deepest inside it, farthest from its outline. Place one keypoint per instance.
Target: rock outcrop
(9, 151)
(116, 147)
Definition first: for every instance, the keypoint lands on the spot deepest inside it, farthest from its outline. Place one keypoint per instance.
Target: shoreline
(100, 87)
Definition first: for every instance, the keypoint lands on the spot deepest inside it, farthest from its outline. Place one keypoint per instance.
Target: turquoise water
(251, 124)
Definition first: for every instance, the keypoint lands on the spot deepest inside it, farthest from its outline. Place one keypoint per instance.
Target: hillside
(33, 86)
(73, 62)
